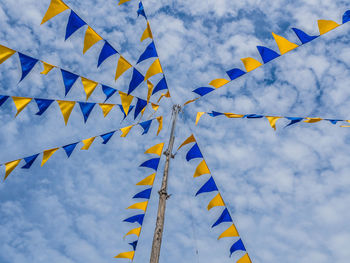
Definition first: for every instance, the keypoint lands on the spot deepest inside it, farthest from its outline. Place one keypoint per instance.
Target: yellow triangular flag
(147, 33)
(5, 53)
(47, 68)
(123, 1)
(21, 103)
(66, 108)
(250, 63)
(229, 232)
(326, 25)
(233, 115)
(190, 101)
(201, 169)
(160, 121)
(156, 149)
(154, 69)
(312, 120)
(244, 259)
(126, 101)
(123, 65)
(150, 89)
(91, 38)
(187, 141)
(199, 115)
(216, 201)
(56, 7)
(217, 83)
(125, 131)
(149, 180)
(141, 206)
(284, 45)
(155, 107)
(167, 95)
(106, 108)
(273, 120)
(47, 154)
(89, 86)
(87, 143)
(135, 231)
(10, 166)
(129, 255)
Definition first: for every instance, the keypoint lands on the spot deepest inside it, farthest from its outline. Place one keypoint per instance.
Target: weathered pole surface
(163, 194)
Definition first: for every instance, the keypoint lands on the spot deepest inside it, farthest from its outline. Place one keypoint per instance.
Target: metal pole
(163, 194)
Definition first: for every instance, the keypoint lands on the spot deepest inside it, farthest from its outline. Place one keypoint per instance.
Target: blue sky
(288, 190)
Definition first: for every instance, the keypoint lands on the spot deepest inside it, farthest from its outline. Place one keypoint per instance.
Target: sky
(287, 190)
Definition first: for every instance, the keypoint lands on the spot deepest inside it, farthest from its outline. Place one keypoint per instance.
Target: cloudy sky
(288, 191)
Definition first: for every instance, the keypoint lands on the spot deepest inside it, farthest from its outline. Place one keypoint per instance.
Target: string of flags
(46, 155)
(86, 108)
(145, 194)
(267, 54)
(217, 201)
(272, 119)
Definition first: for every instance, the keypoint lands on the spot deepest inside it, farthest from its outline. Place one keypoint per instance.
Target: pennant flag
(89, 86)
(250, 64)
(140, 105)
(10, 166)
(145, 194)
(147, 33)
(141, 206)
(141, 11)
(66, 109)
(128, 255)
(135, 219)
(136, 80)
(294, 120)
(244, 259)
(133, 244)
(209, 186)
(235, 73)
(20, 103)
(125, 131)
(149, 180)
(68, 80)
(202, 168)
(150, 52)
(267, 54)
(29, 161)
(87, 143)
(232, 115)
(43, 105)
(47, 68)
(312, 120)
(193, 153)
(146, 125)
(346, 17)
(123, 65)
(167, 95)
(333, 121)
(91, 38)
(273, 120)
(325, 26)
(108, 91)
(152, 163)
(106, 137)
(283, 44)
(47, 155)
(160, 86)
(5, 53)
(69, 148)
(135, 231)
(150, 89)
(123, 1)
(216, 201)
(106, 52)
(229, 232)
(56, 7)
(187, 141)
(303, 37)
(86, 108)
(217, 83)
(203, 91)
(156, 149)
(199, 115)
(215, 114)
(160, 126)
(122, 110)
(253, 116)
(106, 108)
(27, 64)
(154, 69)
(126, 101)
(155, 107)
(74, 23)
(225, 217)
(237, 246)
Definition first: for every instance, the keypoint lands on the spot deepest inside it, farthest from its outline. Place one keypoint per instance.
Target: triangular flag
(123, 1)
(149, 180)
(294, 120)
(187, 141)
(244, 259)
(134, 244)
(47, 154)
(312, 120)
(233, 115)
(29, 161)
(216, 201)
(273, 120)
(217, 83)
(5, 53)
(106, 52)
(66, 109)
(229, 232)
(3, 98)
(56, 7)
(123, 65)
(225, 217)
(91, 38)
(152, 163)
(126, 101)
(202, 168)
(106, 137)
(193, 153)
(142, 206)
(303, 37)
(141, 11)
(203, 91)
(27, 64)
(155, 107)
(21, 103)
(250, 64)
(87, 143)
(154, 69)
(160, 86)
(135, 219)
(147, 33)
(47, 68)
(140, 105)
(69, 148)
(10, 166)
(237, 246)
(89, 86)
(136, 80)
(199, 115)
(346, 17)
(125, 131)
(160, 124)
(106, 108)
(86, 108)
(108, 91)
(129, 255)
(156, 149)
(74, 23)
(267, 54)
(43, 105)
(283, 44)
(145, 126)
(235, 73)
(150, 89)
(325, 26)
(145, 194)
(209, 186)
(122, 110)
(150, 52)
(68, 79)
(135, 231)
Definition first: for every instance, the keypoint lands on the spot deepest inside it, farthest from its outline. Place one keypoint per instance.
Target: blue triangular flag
(215, 114)
(68, 79)
(145, 194)
(152, 163)
(136, 80)
(74, 23)
(106, 52)
(237, 246)
(3, 98)
(253, 116)
(203, 90)
(294, 120)
(69, 148)
(134, 245)
(209, 186)
(160, 86)
(235, 73)
(193, 153)
(108, 91)
(141, 10)
(303, 37)
(150, 52)
(146, 125)
(43, 105)
(86, 108)
(346, 17)
(140, 105)
(107, 136)
(122, 109)
(333, 121)
(225, 217)
(267, 54)
(29, 161)
(27, 64)
(135, 219)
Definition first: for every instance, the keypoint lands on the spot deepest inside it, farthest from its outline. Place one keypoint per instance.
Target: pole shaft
(163, 194)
